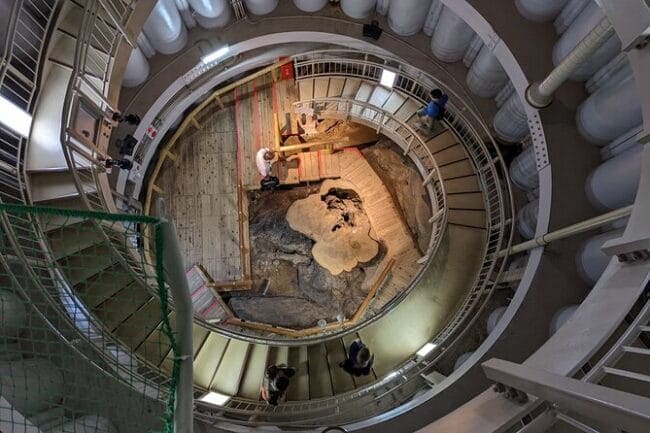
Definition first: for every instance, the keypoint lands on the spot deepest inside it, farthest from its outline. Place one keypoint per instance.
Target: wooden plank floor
(200, 190)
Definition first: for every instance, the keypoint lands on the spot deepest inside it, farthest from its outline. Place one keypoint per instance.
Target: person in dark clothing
(276, 382)
(434, 110)
(359, 360)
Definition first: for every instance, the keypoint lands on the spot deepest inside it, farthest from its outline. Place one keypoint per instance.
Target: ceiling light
(215, 55)
(387, 78)
(215, 398)
(424, 351)
(15, 118)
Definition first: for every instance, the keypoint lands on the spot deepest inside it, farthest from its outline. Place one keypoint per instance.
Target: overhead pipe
(451, 37)
(574, 229)
(510, 122)
(615, 182)
(540, 94)
(137, 69)
(586, 22)
(540, 10)
(609, 112)
(261, 7)
(486, 76)
(310, 5)
(406, 17)
(165, 29)
(357, 9)
(211, 14)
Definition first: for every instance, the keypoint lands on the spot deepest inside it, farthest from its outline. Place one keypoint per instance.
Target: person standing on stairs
(263, 161)
(433, 111)
(359, 360)
(276, 382)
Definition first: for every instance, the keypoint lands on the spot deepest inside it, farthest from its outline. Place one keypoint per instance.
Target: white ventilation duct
(614, 183)
(590, 259)
(510, 122)
(609, 112)
(86, 424)
(540, 10)
(211, 13)
(310, 5)
(357, 9)
(406, 17)
(261, 7)
(486, 75)
(32, 385)
(527, 219)
(523, 170)
(588, 19)
(451, 37)
(137, 69)
(561, 317)
(13, 314)
(165, 29)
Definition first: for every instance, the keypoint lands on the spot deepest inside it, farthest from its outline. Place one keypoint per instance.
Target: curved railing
(406, 380)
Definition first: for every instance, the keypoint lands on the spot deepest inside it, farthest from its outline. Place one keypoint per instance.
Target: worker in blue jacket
(434, 110)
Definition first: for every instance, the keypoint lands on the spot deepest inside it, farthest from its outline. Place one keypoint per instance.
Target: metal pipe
(180, 291)
(571, 230)
(540, 95)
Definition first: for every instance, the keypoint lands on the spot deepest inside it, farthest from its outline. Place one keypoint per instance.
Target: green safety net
(86, 326)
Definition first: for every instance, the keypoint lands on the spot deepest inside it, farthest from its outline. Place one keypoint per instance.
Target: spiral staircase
(81, 304)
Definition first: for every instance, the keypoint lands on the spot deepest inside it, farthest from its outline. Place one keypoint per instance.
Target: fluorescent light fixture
(14, 117)
(387, 78)
(426, 349)
(215, 398)
(215, 55)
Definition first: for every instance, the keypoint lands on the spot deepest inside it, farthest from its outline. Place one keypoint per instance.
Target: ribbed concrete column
(462, 359)
(527, 219)
(165, 29)
(310, 5)
(357, 9)
(561, 317)
(211, 13)
(486, 75)
(406, 17)
(494, 318)
(523, 170)
(540, 10)
(432, 17)
(590, 260)
(569, 13)
(609, 112)
(13, 314)
(261, 7)
(451, 37)
(541, 94)
(137, 69)
(31, 385)
(614, 183)
(510, 122)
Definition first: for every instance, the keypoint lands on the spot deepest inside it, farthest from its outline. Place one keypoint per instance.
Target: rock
(281, 311)
(335, 220)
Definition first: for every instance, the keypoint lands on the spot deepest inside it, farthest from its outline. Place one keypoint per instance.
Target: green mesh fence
(86, 341)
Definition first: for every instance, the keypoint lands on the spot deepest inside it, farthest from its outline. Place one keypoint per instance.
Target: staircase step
(254, 372)
(462, 184)
(73, 238)
(51, 187)
(336, 353)
(351, 87)
(470, 200)
(320, 87)
(361, 380)
(114, 311)
(306, 89)
(299, 387)
(157, 346)
(103, 285)
(441, 142)
(278, 356)
(230, 370)
(469, 218)
(407, 110)
(80, 266)
(320, 381)
(394, 102)
(141, 324)
(451, 154)
(457, 169)
(336, 87)
(208, 358)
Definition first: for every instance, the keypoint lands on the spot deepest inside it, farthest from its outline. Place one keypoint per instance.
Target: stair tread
(229, 373)
(208, 358)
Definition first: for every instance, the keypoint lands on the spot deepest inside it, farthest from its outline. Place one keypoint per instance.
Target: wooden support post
(373, 291)
(219, 101)
(171, 155)
(276, 132)
(229, 286)
(157, 189)
(195, 123)
(311, 144)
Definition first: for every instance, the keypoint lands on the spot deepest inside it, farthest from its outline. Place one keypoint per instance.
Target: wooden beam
(311, 144)
(170, 155)
(195, 123)
(373, 291)
(229, 286)
(219, 101)
(276, 133)
(157, 189)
